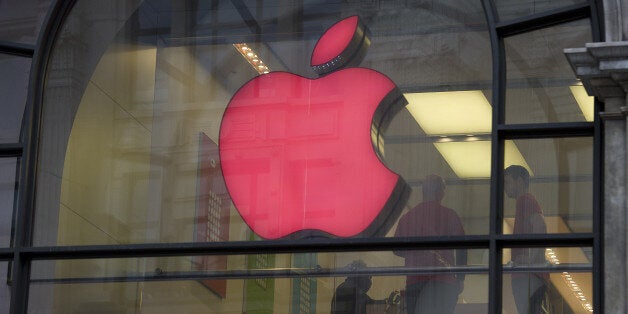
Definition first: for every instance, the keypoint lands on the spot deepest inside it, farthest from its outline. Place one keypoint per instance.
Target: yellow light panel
(449, 113)
(585, 102)
(472, 159)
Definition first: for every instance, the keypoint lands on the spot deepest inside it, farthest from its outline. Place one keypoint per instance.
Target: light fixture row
(252, 58)
(569, 281)
(453, 115)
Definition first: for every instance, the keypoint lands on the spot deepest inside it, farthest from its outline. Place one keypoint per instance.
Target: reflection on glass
(556, 186)
(561, 284)
(21, 20)
(7, 194)
(585, 102)
(510, 9)
(281, 283)
(13, 91)
(540, 81)
(351, 296)
(124, 160)
(5, 288)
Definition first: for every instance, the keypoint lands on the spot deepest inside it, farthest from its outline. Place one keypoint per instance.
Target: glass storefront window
(21, 20)
(13, 91)
(556, 280)
(553, 187)
(134, 156)
(8, 183)
(272, 283)
(541, 86)
(218, 121)
(443, 142)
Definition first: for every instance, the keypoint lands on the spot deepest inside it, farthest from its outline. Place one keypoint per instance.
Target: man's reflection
(528, 289)
(432, 293)
(351, 296)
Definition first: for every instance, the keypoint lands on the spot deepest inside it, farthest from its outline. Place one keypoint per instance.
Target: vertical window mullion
(598, 34)
(598, 214)
(497, 102)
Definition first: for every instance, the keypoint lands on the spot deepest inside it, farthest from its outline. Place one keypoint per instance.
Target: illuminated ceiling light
(251, 57)
(585, 102)
(472, 159)
(465, 113)
(451, 113)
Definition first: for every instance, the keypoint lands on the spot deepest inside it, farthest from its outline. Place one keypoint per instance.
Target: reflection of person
(528, 288)
(350, 296)
(432, 293)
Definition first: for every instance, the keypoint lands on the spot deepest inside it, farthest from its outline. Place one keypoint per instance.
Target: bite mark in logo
(301, 157)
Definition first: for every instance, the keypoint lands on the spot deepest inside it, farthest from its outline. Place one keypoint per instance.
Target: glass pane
(13, 87)
(551, 189)
(541, 86)
(559, 281)
(21, 20)
(5, 288)
(268, 283)
(8, 184)
(132, 150)
(510, 9)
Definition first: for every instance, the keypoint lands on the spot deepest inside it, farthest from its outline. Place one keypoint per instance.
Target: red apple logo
(300, 157)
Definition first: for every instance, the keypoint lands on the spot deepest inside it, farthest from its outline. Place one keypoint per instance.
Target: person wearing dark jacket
(351, 296)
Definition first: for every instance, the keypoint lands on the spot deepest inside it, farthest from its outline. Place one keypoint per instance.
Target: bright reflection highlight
(458, 112)
(472, 159)
(251, 57)
(585, 102)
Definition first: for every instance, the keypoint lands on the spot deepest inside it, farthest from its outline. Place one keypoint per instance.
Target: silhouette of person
(528, 289)
(350, 296)
(436, 293)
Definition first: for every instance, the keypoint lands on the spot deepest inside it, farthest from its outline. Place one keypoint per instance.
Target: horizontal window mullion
(308, 272)
(545, 130)
(271, 273)
(253, 247)
(545, 240)
(278, 247)
(22, 50)
(543, 20)
(6, 253)
(11, 150)
(575, 268)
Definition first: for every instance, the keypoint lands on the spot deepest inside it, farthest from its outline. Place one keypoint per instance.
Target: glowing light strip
(252, 58)
(585, 102)
(570, 282)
